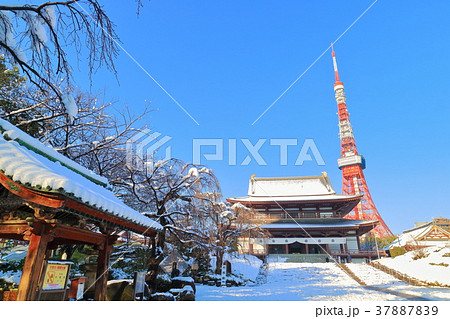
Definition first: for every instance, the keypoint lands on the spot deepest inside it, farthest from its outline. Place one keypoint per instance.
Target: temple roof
(290, 186)
(291, 189)
(319, 223)
(422, 235)
(33, 165)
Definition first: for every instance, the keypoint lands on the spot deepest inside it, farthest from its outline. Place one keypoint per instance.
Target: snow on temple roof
(254, 199)
(26, 165)
(285, 189)
(311, 224)
(290, 186)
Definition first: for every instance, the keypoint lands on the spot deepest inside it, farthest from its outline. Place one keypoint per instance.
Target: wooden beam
(8, 229)
(57, 200)
(71, 234)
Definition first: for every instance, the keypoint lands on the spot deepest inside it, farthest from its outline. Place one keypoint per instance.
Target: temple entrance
(316, 249)
(276, 249)
(297, 248)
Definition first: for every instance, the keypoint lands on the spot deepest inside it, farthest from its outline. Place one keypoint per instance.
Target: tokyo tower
(352, 164)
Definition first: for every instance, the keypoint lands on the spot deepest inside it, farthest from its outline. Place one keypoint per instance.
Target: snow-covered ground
(320, 282)
(425, 269)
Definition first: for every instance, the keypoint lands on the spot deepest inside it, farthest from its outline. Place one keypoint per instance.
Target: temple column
(34, 262)
(103, 269)
(286, 248)
(307, 248)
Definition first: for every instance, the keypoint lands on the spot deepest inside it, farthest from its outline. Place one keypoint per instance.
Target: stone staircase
(297, 258)
(351, 274)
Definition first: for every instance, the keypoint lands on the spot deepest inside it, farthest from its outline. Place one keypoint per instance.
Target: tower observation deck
(352, 164)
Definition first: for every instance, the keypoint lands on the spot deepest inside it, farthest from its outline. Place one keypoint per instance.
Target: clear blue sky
(227, 61)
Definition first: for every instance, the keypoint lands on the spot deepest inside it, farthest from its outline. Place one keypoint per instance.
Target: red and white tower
(352, 164)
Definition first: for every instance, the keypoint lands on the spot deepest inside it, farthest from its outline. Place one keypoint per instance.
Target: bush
(419, 253)
(397, 251)
(163, 283)
(441, 264)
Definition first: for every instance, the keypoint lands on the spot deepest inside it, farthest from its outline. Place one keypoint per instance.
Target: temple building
(303, 216)
(424, 234)
(50, 201)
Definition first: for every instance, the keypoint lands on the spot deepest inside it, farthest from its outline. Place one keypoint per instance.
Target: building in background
(424, 234)
(304, 218)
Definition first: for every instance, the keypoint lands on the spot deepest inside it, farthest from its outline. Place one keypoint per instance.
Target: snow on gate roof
(27, 161)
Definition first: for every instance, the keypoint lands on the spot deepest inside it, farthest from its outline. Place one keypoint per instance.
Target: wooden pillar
(307, 248)
(250, 248)
(359, 245)
(32, 269)
(286, 248)
(103, 269)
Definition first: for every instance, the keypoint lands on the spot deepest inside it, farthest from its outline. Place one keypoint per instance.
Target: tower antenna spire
(352, 163)
(336, 73)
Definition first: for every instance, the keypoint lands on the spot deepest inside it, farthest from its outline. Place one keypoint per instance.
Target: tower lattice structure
(352, 164)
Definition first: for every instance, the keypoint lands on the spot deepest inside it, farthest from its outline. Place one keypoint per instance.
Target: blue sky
(225, 62)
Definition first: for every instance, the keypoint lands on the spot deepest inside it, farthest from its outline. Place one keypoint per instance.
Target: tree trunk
(219, 261)
(156, 256)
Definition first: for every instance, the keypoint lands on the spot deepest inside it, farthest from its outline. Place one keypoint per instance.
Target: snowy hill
(433, 267)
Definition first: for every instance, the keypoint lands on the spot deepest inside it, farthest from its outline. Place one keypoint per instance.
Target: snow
(7, 36)
(118, 281)
(16, 254)
(422, 268)
(38, 34)
(244, 266)
(193, 172)
(183, 279)
(6, 29)
(50, 15)
(371, 275)
(318, 282)
(290, 186)
(321, 224)
(29, 168)
(226, 214)
(14, 133)
(269, 198)
(71, 106)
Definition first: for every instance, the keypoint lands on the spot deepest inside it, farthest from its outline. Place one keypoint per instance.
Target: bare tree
(35, 38)
(165, 190)
(226, 224)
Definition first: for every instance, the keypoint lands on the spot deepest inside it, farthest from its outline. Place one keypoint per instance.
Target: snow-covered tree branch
(36, 38)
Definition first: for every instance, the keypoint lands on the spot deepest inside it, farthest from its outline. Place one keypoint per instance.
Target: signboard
(55, 276)
(80, 291)
(223, 277)
(139, 284)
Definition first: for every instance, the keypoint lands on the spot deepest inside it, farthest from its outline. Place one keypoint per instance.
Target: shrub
(397, 251)
(446, 255)
(441, 264)
(419, 253)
